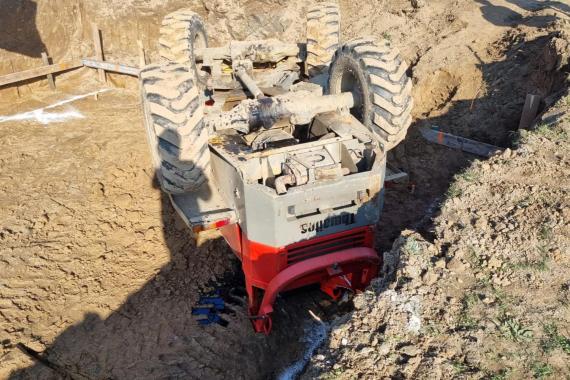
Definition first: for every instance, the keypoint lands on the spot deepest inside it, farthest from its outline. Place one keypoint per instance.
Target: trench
(148, 331)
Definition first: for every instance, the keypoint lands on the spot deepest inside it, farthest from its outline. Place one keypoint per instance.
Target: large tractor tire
(181, 33)
(173, 117)
(376, 75)
(323, 36)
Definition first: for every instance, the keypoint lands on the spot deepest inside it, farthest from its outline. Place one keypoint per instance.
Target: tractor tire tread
(173, 116)
(389, 100)
(323, 36)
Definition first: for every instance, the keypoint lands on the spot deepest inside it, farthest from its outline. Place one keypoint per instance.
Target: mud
(100, 275)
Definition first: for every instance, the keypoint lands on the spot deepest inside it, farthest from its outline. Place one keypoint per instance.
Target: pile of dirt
(471, 80)
(489, 295)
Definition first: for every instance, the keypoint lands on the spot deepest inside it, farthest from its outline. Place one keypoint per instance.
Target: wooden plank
(45, 59)
(457, 142)
(109, 66)
(38, 72)
(530, 110)
(98, 46)
(142, 54)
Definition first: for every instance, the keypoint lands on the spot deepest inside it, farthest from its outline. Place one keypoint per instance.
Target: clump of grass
(459, 367)
(469, 175)
(466, 320)
(541, 370)
(554, 339)
(539, 266)
(333, 374)
(453, 191)
(545, 232)
(514, 330)
(553, 132)
(412, 246)
(473, 258)
(386, 36)
(432, 329)
(470, 300)
(519, 138)
(501, 375)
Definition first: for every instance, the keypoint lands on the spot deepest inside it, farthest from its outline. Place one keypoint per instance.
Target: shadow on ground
(504, 16)
(18, 31)
(154, 335)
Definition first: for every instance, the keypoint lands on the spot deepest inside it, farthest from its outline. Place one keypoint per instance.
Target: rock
(410, 350)
(494, 262)
(440, 264)
(430, 277)
(384, 349)
(418, 3)
(343, 342)
(360, 302)
(455, 265)
(374, 341)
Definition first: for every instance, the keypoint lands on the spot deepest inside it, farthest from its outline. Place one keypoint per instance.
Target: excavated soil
(99, 275)
(489, 296)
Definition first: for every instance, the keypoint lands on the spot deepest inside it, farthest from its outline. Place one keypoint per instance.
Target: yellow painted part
(227, 70)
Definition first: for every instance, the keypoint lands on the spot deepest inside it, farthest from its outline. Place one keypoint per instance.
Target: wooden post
(142, 55)
(530, 110)
(98, 51)
(46, 62)
(14, 71)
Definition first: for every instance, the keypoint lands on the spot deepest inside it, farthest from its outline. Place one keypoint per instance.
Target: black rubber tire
(173, 116)
(376, 74)
(181, 33)
(323, 36)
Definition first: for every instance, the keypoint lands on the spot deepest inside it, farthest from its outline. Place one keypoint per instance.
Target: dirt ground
(98, 269)
(99, 274)
(488, 296)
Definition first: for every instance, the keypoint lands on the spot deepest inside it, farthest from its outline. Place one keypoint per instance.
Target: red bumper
(344, 260)
(352, 269)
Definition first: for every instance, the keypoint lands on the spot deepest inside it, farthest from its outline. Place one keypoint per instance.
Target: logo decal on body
(331, 221)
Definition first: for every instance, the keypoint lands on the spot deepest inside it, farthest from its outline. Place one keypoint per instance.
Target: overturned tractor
(280, 147)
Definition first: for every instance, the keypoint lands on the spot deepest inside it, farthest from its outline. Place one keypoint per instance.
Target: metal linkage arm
(260, 51)
(249, 83)
(299, 106)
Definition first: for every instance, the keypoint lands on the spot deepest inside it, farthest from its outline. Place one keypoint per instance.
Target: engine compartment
(331, 146)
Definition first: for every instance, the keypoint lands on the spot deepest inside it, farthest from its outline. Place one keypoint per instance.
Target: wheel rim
(344, 78)
(200, 41)
(349, 82)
